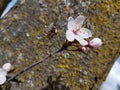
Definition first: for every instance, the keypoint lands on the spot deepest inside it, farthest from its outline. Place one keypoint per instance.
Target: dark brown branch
(64, 47)
(29, 67)
(32, 65)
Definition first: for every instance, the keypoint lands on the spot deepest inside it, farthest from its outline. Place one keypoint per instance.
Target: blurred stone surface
(25, 37)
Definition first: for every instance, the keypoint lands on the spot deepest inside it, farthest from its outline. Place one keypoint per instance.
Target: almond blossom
(76, 31)
(95, 43)
(3, 72)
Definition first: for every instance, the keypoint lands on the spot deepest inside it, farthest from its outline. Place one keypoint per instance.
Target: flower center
(75, 31)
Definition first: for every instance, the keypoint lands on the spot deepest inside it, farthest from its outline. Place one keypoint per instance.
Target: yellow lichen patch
(43, 19)
(70, 70)
(106, 27)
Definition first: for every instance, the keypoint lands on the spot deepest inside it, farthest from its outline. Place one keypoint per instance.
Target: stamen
(75, 31)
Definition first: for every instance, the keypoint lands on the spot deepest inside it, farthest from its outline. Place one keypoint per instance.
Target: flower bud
(95, 43)
(83, 49)
(7, 67)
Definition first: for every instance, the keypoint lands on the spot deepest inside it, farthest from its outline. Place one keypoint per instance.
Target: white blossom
(2, 79)
(3, 72)
(76, 32)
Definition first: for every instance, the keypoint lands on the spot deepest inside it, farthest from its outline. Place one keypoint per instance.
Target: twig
(40, 61)
(29, 67)
(34, 64)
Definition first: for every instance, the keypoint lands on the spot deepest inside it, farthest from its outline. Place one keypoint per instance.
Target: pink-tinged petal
(79, 20)
(70, 36)
(3, 72)
(81, 40)
(95, 43)
(85, 33)
(71, 25)
(70, 19)
(2, 79)
(7, 67)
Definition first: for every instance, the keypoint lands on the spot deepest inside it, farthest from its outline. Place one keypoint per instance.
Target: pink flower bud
(95, 43)
(7, 67)
(83, 49)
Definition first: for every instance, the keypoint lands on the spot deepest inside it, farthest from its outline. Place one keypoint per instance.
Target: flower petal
(2, 79)
(7, 66)
(79, 20)
(85, 33)
(70, 19)
(3, 72)
(71, 23)
(81, 40)
(70, 36)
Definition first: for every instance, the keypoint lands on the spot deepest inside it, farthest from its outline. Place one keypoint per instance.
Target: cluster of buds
(78, 33)
(3, 72)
